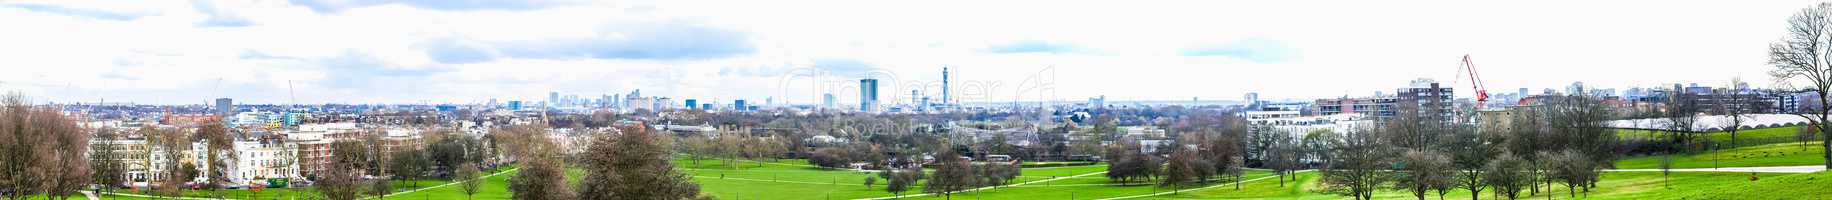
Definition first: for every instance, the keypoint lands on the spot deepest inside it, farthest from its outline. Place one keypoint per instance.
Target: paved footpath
(989, 187)
(93, 196)
(1202, 188)
(1782, 169)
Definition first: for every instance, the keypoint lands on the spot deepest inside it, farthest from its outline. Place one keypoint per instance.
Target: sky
(793, 52)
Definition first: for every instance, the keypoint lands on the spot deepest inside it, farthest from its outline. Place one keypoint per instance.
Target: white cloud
(470, 51)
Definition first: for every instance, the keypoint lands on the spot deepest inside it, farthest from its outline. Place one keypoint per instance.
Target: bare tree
(900, 180)
(1285, 156)
(1423, 171)
(342, 180)
(1470, 149)
(1803, 55)
(172, 144)
(41, 151)
(68, 144)
(632, 164)
(219, 155)
(952, 174)
(1179, 170)
(20, 156)
(1666, 170)
(1507, 174)
(1572, 168)
(1805, 134)
(468, 174)
(381, 181)
(870, 181)
(105, 160)
(1736, 105)
(542, 174)
(1357, 164)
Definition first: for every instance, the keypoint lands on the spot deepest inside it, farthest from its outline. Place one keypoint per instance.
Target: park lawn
(1788, 131)
(1615, 185)
(1722, 136)
(454, 191)
(1263, 189)
(781, 179)
(793, 179)
(1811, 185)
(1784, 154)
(1089, 191)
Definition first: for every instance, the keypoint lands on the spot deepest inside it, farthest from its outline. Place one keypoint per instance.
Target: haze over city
(927, 100)
(306, 51)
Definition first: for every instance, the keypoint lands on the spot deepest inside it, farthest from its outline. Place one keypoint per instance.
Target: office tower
(944, 86)
(225, 106)
(692, 102)
(827, 100)
(913, 100)
(738, 105)
(868, 95)
(553, 99)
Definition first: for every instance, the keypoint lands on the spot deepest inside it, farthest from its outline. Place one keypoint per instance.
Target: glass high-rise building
(225, 106)
(868, 94)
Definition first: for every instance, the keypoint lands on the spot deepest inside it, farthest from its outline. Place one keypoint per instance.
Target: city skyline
(311, 52)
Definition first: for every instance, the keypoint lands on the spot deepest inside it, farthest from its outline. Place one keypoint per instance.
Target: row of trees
(368, 165)
(1562, 139)
(627, 163)
(953, 174)
(730, 146)
(1207, 145)
(1559, 140)
(41, 151)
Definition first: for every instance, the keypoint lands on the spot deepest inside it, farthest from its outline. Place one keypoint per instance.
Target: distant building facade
(868, 95)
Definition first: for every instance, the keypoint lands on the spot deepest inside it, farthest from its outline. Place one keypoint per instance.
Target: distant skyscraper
(515, 105)
(692, 102)
(738, 105)
(868, 94)
(553, 99)
(1098, 102)
(913, 100)
(1576, 88)
(225, 106)
(1250, 98)
(827, 100)
(944, 86)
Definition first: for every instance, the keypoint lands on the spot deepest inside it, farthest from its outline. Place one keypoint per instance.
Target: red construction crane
(1475, 81)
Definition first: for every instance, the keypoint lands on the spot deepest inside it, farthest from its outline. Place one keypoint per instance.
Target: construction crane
(1475, 81)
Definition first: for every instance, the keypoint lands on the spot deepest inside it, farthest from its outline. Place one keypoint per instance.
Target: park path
(446, 184)
(1780, 169)
(89, 194)
(93, 196)
(1202, 188)
(989, 187)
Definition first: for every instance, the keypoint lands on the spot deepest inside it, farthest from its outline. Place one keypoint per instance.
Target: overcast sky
(470, 51)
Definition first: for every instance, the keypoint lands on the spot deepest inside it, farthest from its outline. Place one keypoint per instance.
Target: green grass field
(795, 179)
(1615, 185)
(488, 190)
(1784, 154)
(1787, 131)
